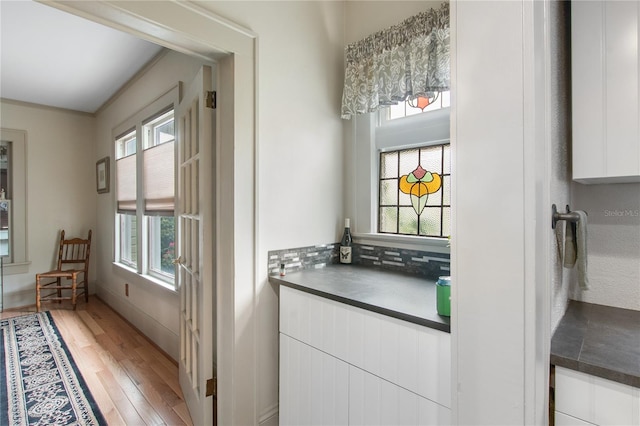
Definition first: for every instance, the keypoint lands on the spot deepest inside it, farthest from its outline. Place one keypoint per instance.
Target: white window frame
(18, 262)
(370, 134)
(168, 101)
(122, 258)
(149, 140)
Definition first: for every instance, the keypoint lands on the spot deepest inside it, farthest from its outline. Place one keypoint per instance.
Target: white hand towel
(581, 249)
(570, 248)
(560, 239)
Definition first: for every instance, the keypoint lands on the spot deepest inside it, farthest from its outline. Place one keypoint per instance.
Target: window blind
(158, 165)
(126, 184)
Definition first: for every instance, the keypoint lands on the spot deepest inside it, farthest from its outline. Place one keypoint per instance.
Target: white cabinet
(562, 419)
(374, 401)
(314, 386)
(581, 397)
(411, 364)
(605, 83)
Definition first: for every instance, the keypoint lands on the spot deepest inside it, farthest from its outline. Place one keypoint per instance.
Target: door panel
(196, 198)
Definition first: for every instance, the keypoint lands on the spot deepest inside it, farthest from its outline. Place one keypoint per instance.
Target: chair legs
(37, 292)
(55, 288)
(73, 291)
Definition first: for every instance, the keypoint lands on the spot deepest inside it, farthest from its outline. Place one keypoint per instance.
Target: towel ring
(569, 216)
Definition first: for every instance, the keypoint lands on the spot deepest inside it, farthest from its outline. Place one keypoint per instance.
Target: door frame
(193, 30)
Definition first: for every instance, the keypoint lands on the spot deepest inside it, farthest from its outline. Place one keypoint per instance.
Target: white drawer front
(316, 321)
(562, 419)
(412, 356)
(314, 386)
(374, 401)
(596, 400)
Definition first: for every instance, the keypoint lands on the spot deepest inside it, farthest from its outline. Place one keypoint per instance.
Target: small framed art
(102, 175)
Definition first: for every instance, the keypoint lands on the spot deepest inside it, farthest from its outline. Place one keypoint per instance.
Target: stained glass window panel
(446, 191)
(431, 159)
(407, 221)
(446, 221)
(403, 199)
(408, 160)
(404, 109)
(447, 160)
(435, 199)
(389, 220)
(389, 192)
(389, 165)
(430, 222)
(415, 191)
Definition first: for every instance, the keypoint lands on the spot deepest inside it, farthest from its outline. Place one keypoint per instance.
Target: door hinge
(212, 387)
(210, 99)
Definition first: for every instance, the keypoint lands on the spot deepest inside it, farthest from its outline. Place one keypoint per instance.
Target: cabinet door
(375, 401)
(596, 400)
(415, 357)
(314, 386)
(605, 79)
(562, 419)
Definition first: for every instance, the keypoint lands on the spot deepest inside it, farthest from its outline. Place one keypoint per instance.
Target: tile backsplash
(417, 262)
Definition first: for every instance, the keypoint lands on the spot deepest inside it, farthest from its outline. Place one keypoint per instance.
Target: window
(13, 235)
(373, 136)
(408, 108)
(128, 239)
(413, 164)
(415, 191)
(159, 163)
(126, 190)
(145, 169)
(5, 196)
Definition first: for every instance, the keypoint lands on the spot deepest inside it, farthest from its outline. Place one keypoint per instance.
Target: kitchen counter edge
(432, 320)
(599, 340)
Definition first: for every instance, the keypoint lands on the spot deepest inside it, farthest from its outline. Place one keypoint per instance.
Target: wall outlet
(126, 289)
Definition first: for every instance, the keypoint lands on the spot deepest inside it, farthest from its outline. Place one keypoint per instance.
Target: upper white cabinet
(605, 84)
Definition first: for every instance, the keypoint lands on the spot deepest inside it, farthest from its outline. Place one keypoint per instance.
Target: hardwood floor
(132, 381)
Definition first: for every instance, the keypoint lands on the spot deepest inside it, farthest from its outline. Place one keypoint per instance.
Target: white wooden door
(196, 195)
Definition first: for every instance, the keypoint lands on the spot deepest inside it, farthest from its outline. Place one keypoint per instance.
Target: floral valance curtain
(404, 61)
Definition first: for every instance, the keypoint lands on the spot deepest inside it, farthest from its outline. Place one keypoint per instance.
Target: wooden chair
(73, 265)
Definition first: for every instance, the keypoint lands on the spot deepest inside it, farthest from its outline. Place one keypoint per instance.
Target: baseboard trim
(162, 351)
(153, 330)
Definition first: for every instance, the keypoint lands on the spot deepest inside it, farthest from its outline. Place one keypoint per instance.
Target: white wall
(150, 307)
(501, 190)
(61, 188)
(367, 17)
(300, 150)
(560, 126)
(613, 243)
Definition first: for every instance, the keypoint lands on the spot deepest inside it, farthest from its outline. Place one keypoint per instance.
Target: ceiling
(53, 58)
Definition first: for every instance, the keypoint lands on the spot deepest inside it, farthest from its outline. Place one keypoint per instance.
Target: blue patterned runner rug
(40, 381)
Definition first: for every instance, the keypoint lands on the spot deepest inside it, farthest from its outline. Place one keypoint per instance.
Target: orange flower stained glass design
(419, 184)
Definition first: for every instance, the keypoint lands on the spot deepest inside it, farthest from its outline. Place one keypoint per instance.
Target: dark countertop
(406, 297)
(599, 340)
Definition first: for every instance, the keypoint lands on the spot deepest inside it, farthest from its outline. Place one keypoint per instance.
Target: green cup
(443, 296)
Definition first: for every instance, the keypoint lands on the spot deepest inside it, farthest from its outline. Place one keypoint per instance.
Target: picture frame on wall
(102, 175)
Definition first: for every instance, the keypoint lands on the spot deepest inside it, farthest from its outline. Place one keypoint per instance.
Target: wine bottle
(345, 243)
